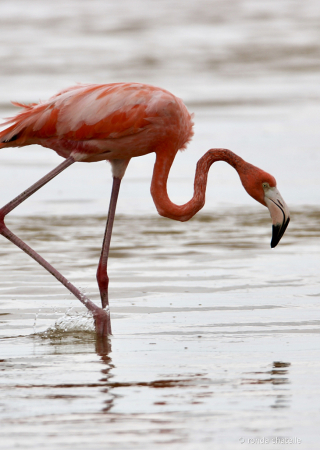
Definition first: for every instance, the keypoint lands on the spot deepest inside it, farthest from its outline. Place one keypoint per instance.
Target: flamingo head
(263, 187)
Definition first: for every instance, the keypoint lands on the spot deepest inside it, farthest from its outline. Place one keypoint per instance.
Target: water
(216, 336)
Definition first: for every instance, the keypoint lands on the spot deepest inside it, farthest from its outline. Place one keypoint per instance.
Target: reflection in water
(103, 350)
(279, 370)
(274, 377)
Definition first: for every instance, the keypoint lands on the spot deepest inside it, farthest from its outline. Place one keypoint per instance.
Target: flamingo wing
(83, 113)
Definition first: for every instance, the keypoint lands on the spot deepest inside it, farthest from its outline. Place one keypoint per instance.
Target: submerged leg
(102, 318)
(102, 275)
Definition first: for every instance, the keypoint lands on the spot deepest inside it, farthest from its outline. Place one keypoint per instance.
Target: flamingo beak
(279, 213)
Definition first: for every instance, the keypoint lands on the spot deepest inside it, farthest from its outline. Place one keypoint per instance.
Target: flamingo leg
(102, 317)
(102, 275)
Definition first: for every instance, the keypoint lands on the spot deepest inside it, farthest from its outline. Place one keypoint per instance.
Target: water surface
(216, 336)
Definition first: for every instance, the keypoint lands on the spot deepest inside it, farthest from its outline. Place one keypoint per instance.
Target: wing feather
(84, 112)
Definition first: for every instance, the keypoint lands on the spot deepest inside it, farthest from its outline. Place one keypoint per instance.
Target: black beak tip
(278, 232)
(275, 235)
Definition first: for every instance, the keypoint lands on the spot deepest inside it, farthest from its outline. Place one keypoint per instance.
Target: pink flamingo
(116, 122)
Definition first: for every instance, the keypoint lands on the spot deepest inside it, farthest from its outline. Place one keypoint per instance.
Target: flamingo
(116, 122)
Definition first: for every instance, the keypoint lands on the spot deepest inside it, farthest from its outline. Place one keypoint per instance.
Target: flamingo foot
(102, 322)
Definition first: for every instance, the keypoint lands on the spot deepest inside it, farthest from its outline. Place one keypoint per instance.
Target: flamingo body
(97, 122)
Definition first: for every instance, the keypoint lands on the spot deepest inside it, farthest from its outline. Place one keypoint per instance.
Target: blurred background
(249, 70)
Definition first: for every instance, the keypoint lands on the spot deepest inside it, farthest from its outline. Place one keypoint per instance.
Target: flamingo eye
(265, 185)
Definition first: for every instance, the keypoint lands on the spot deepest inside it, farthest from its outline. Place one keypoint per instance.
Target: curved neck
(161, 171)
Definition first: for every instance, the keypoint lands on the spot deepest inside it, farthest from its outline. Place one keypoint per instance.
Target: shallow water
(216, 336)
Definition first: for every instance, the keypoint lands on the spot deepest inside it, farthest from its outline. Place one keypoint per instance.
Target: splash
(72, 322)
